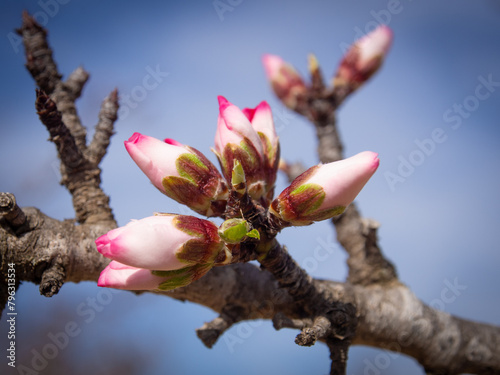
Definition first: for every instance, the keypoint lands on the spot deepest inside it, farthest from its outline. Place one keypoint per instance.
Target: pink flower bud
(364, 58)
(285, 81)
(249, 137)
(233, 127)
(162, 242)
(326, 190)
(261, 119)
(120, 276)
(181, 172)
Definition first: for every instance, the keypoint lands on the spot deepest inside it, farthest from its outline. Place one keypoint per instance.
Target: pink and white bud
(181, 172)
(285, 81)
(364, 58)
(120, 276)
(233, 127)
(154, 157)
(262, 122)
(326, 190)
(162, 242)
(249, 137)
(261, 119)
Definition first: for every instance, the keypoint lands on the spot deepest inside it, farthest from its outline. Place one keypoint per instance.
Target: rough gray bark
(371, 308)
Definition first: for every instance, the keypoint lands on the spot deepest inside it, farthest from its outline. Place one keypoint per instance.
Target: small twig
(76, 81)
(52, 279)
(10, 211)
(280, 321)
(210, 332)
(49, 115)
(338, 354)
(309, 335)
(104, 128)
(39, 61)
(43, 69)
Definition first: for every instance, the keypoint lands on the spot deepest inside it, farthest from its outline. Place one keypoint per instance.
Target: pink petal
(173, 142)
(343, 180)
(232, 126)
(272, 65)
(154, 157)
(120, 276)
(376, 43)
(262, 121)
(150, 243)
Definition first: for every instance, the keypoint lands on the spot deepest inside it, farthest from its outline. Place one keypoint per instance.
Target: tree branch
(390, 316)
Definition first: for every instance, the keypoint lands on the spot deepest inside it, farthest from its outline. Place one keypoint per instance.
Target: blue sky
(430, 113)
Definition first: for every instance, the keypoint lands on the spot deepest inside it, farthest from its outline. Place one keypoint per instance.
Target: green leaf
(254, 233)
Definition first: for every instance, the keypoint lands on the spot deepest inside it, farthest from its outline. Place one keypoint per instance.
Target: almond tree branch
(56, 107)
(390, 316)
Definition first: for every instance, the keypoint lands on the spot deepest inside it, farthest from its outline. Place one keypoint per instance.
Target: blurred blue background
(439, 220)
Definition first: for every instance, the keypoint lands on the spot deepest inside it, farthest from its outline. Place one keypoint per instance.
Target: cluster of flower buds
(160, 252)
(360, 62)
(167, 251)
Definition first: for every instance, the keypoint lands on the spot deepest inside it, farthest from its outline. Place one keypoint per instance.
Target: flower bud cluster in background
(359, 63)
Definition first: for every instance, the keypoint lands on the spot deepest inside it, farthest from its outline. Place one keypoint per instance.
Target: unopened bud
(162, 242)
(324, 191)
(248, 137)
(285, 81)
(363, 59)
(181, 172)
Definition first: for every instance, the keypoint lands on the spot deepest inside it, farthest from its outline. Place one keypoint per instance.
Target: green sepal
(238, 177)
(199, 184)
(205, 244)
(191, 167)
(254, 233)
(181, 277)
(307, 198)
